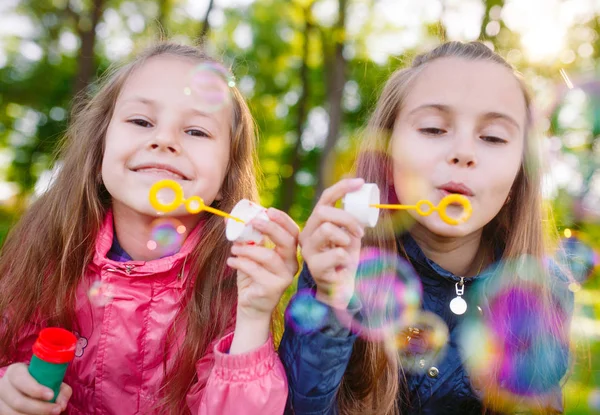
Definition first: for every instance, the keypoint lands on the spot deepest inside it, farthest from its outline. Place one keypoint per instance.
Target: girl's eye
(197, 133)
(141, 123)
(432, 131)
(493, 140)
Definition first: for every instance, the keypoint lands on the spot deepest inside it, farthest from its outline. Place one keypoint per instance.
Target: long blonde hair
(372, 383)
(47, 252)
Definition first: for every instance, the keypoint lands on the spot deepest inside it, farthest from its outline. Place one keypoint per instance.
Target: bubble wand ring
(194, 204)
(426, 208)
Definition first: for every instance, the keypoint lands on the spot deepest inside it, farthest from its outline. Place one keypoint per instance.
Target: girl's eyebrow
(137, 98)
(493, 115)
(439, 107)
(153, 103)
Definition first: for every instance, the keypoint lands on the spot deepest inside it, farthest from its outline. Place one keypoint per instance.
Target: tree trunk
(85, 60)
(335, 70)
(205, 24)
(288, 185)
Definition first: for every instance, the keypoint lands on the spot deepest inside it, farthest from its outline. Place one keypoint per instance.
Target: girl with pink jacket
(181, 326)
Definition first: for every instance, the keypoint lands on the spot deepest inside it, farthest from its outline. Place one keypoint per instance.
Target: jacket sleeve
(315, 361)
(249, 383)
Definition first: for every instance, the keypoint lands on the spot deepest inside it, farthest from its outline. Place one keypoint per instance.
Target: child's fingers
(64, 395)
(276, 233)
(336, 216)
(323, 265)
(16, 402)
(328, 235)
(285, 221)
(23, 382)
(339, 190)
(6, 410)
(264, 279)
(264, 257)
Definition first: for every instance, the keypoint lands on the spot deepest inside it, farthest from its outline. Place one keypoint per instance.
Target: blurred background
(311, 71)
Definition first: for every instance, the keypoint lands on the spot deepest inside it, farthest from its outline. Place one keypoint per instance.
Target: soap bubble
(210, 83)
(389, 292)
(421, 344)
(100, 293)
(166, 236)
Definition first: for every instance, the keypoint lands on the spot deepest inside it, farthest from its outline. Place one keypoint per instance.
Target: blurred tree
(206, 23)
(335, 80)
(294, 158)
(86, 24)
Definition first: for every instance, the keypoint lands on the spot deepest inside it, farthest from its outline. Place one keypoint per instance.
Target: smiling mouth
(160, 172)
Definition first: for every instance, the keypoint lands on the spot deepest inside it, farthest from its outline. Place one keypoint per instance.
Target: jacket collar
(417, 257)
(174, 262)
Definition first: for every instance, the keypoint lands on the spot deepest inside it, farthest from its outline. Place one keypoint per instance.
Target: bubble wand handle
(53, 350)
(194, 204)
(221, 213)
(394, 207)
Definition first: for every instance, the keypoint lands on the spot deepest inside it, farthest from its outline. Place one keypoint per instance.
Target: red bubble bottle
(53, 350)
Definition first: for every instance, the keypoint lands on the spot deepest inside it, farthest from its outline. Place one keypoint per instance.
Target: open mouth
(456, 188)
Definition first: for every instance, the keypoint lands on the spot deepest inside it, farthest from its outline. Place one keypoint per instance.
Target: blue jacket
(315, 362)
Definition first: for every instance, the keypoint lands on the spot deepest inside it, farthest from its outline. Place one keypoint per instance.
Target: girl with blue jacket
(457, 121)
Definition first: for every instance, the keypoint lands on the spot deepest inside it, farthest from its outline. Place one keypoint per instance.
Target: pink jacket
(118, 366)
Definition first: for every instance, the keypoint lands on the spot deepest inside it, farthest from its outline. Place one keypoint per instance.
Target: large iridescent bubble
(517, 349)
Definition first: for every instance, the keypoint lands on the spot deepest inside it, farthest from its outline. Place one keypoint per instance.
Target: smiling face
(158, 131)
(461, 130)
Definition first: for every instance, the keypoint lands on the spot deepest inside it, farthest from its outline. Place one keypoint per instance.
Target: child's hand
(20, 393)
(264, 273)
(331, 242)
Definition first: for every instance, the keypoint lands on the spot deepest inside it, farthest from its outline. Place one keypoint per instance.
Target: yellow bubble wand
(426, 208)
(194, 204)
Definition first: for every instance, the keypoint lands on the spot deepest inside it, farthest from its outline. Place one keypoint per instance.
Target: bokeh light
(594, 400)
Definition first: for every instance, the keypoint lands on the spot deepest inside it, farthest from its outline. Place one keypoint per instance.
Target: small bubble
(424, 340)
(210, 84)
(306, 314)
(100, 294)
(165, 236)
